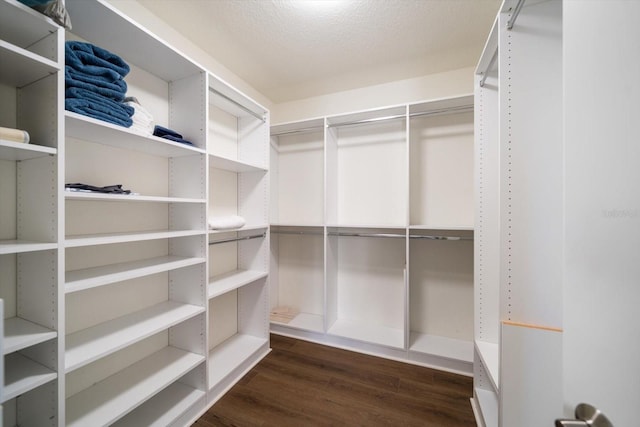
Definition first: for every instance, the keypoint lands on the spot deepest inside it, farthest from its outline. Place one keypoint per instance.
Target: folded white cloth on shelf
(142, 119)
(14, 135)
(226, 222)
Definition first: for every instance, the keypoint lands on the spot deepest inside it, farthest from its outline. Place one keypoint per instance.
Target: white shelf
(78, 280)
(10, 150)
(109, 238)
(21, 67)
(80, 195)
(114, 397)
(88, 345)
(369, 226)
(232, 165)
(443, 228)
(305, 321)
(490, 355)
(231, 353)
(20, 246)
(226, 282)
(449, 348)
(20, 333)
(245, 228)
(22, 25)
(164, 408)
(488, 402)
(101, 132)
(375, 334)
(23, 375)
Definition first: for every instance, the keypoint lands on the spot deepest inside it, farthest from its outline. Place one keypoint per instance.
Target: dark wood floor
(305, 384)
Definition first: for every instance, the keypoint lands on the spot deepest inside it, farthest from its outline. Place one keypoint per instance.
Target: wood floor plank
(306, 384)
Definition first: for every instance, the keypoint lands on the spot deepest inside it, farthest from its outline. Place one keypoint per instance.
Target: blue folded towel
(94, 60)
(104, 86)
(169, 134)
(90, 104)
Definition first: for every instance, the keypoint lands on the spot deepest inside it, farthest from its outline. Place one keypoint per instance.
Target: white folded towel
(226, 222)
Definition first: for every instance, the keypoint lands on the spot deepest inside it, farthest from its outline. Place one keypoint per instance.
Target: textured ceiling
(293, 49)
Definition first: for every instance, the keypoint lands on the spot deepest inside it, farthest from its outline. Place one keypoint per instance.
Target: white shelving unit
(371, 231)
(238, 185)
(31, 82)
(519, 232)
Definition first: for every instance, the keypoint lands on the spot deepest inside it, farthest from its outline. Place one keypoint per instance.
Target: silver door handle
(586, 416)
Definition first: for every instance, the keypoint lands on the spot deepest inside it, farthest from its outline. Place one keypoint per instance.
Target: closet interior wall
(113, 309)
(358, 199)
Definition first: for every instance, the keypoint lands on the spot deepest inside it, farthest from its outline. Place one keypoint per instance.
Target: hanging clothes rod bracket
(514, 16)
(301, 130)
(242, 107)
(387, 235)
(235, 239)
(367, 121)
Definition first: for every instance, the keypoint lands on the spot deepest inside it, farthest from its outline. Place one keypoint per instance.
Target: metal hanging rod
(235, 239)
(514, 16)
(301, 130)
(367, 121)
(242, 107)
(485, 73)
(299, 233)
(422, 236)
(389, 235)
(457, 109)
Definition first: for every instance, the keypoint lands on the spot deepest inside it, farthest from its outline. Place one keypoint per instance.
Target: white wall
(433, 86)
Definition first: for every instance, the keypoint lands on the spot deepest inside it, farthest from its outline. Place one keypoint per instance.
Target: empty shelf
(22, 25)
(375, 334)
(21, 67)
(245, 228)
(488, 402)
(87, 278)
(232, 165)
(449, 348)
(20, 246)
(226, 282)
(490, 356)
(20, 333)
(305, 321)
(10, 150)
(111, 399)
(230, 354)
(108, 238)
(88, 345)
(164, 408)
(101, 132)
(23, 375)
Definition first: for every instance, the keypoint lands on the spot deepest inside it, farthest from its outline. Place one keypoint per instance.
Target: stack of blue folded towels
(95, 86)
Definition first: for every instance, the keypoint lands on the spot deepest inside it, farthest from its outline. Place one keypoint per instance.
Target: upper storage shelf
(97, 20)
(23, 26)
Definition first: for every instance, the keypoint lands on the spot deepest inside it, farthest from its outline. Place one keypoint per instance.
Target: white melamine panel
(441, 288)
(90, 344)
(8, 193)
(87, 128)
(21, 67)
(252, 135)
(331, 175)
(226, 282)
(111, 399)
(223, 318)
(101, 165)
(152, 93)
(20, 333)
(300, 181)
(22, 25)
(371, 288)
(38, 111)
(226, 356)
(223, 134)
(441, 165)
(531, 170)
(22, 375)
(531, 380)
(487, 196)
(223, 193)
(371, 174)
(71, 195)
(187, 108)
(368, 332)
(301, 275)
(488, 402)
(164, 408)
(19, 246)
(10, 150)
(37, 286)
(232, 165)
(223, 258)
(489, 354)
(253, 197)
(110, 238)
(36, 200)
(253, 309)
(77, 280)
(449, 348)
